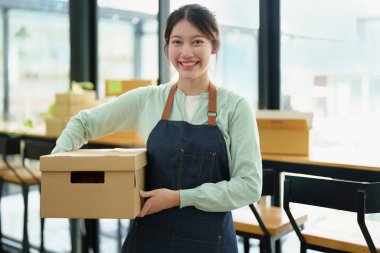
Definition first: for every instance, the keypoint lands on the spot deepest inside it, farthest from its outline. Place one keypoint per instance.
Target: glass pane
(142, 6)
(39, 58)
(330, 66)
(236, 66)
(128, 41)
(1, 63)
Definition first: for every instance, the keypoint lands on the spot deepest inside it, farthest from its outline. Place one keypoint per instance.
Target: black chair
(8, 146)
(358, 197)
(265, 223)
(26, 176)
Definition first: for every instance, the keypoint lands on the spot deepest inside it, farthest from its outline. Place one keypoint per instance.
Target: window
(39, 57)
(330, 66)
(1, 61)
(237, 60)
(128, 40)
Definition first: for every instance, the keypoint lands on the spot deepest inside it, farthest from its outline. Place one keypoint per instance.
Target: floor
(57, 230)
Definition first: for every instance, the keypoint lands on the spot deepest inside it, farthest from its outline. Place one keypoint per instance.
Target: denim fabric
(184, 156)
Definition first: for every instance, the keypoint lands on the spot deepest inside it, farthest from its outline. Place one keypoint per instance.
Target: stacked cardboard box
(97, 183)
(66, 105)
(118, 87)
(284, 132)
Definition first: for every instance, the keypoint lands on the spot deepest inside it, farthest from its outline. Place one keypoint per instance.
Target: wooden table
(117, 139)
(342, 164)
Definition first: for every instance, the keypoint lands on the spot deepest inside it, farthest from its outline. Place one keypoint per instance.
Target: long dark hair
(202, 18)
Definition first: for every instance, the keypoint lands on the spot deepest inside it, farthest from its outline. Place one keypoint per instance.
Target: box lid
(72, 97)
(276, 119)
(95, 160)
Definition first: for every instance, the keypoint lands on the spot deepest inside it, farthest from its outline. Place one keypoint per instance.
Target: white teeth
(187, 64)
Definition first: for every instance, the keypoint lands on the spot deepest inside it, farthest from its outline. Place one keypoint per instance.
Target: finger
(146, 194)
(143, 211)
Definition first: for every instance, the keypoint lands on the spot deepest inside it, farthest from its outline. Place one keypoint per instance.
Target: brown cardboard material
(71, 109)
(284, 133)
(122, 137)
(93, 184)
(118, 87)
(55, 125)
(71, 97)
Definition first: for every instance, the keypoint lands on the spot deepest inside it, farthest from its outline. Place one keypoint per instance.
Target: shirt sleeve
(121, 113)
(245, 185)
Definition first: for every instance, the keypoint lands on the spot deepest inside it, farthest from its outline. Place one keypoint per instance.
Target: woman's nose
(187, 51)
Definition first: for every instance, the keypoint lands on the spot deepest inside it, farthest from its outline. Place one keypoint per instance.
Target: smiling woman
(236, 64)
(200, 167)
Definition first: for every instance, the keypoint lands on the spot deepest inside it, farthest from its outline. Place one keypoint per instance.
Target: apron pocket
(195, 168)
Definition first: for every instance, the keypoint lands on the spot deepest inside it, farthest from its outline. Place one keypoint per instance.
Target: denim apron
(184, 156)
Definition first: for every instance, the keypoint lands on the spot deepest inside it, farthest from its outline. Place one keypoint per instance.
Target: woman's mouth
(188, 64)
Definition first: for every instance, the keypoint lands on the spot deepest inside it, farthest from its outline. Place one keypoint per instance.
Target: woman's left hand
(158, 200)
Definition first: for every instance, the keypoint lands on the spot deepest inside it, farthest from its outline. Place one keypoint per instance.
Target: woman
(202, 144)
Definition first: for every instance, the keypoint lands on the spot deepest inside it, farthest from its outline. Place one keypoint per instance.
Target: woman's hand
(158, 200)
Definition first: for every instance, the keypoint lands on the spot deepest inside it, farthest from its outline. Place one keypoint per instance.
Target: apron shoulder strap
(169, 103)
(211, 104)
(211, 114)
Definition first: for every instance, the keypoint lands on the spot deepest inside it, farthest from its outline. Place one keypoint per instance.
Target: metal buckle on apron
(212, 114)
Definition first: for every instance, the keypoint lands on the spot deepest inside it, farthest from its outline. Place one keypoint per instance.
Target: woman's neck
(193, 87)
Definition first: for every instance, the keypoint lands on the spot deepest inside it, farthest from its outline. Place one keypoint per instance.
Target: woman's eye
(197, 42)
(176, 42)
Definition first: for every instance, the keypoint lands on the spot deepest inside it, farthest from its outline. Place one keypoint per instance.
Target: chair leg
(119, 243)
(42, 245)
(42, 225)
(303, 248)
(246, 244)
(25, 239)
(265, 246)
(1, 232)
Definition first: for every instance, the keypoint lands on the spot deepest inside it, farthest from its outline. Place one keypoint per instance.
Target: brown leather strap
(169, 103)
(211, 104)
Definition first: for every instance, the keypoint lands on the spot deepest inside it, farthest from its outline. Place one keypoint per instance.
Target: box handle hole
(87, 177)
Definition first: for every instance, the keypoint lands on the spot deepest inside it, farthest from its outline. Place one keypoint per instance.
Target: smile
(188, 63)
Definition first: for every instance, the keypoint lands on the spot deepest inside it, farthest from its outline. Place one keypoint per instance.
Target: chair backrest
(332, 193)
(33, 149)
(9, 145)
(359, 197)
(268, 182)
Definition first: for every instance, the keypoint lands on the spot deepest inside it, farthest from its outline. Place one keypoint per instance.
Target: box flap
(71, 97)
(284, 124)
(277, 119)
(95, 160)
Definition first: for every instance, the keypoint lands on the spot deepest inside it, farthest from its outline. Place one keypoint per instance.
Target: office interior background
(328, 57)
(323, 57)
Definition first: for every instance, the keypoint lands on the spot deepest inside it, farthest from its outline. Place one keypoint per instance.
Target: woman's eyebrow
(193, 37)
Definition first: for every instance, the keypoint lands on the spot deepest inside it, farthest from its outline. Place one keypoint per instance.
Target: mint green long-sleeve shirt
(142, 108)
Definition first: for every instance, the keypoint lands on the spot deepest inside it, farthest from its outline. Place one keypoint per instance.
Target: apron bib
(184, 156)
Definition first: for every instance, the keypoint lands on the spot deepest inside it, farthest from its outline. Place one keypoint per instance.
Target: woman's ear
(215, 47)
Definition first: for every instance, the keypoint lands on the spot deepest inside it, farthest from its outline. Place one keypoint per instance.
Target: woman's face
(189, 51)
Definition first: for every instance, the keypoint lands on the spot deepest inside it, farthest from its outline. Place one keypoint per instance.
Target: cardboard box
(71, 109)
(284, 132)
(55, 125)
(121, 138)
(118, 87)
(71, 97)
(97, 183)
